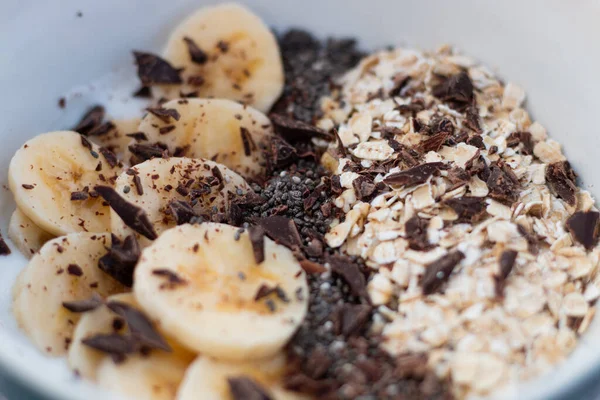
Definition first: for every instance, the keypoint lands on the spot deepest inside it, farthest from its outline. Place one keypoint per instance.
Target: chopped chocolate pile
(310, 67)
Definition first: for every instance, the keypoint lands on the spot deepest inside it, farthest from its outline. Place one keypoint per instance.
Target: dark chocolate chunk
(247, 141)
(138, 136)
(502, 183)
(583, 226)
(469, 209)
(139, 325)
(196, 54)
(147, 151)
(439, 271)
(416, 233)
(133, 216)
(561, 181)
(282, 230)
(457, 90)
(293, 130)
(364, 187)
(109, 156)
(415, 175)
(182, 211)
(90, 120)
(113, 343)
(79, 196)
(164, 114)
(246, 388)
(350, 273)
(81, 306)
(121, 259)
(152, 69)
(433, 143)
(173, 279)
(257, 238)
(4, 249)
(75, 270)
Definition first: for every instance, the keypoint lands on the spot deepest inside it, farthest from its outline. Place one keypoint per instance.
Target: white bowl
(46, 50)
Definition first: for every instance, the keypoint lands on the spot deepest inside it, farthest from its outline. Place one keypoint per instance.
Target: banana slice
(45, 172)
(207, 378)
(65, 269)
(220, 130)
(27, 236)
(226, 51)
(116, 140)
(87, 361)
(165, 180)
(208, 303)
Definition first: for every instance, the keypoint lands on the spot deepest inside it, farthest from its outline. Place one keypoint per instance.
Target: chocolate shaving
(246, 388)
(154, 70)
(257, 239)
(456, 90)
(81, 306)
(266, 290)
(174, 280)
(79, 196)
(137, 182)
(90, 120)
(311, 267)
(350, 273)
(139, 325)
(434, 142)
(133, 216)
(282, 152)
(415, 175)
(113, 343)
(416, 233)
(109, 156)
(351, 319)
(476, 141)
(506, 262)
(469, 209)
(164, 114)
(364, 187)
(147, 151)
(340, 150)
(561, 181)
(181, 211)
(532, 240)
(121, 259)
(502, 183)
(583, 226)
(196, 54)
(293, 130)
(166, 129)
(4, 249)
(247, 141)
(86, 143)
(282, 230)
(472, 118)
(524, 138)
(138, 136)
(400, 82)
(102, 129)
(458, 177)
(439, 271)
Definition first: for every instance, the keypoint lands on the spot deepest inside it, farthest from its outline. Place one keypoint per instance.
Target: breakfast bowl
(79, 54)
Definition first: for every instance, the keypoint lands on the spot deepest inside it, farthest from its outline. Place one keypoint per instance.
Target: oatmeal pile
(482, 247)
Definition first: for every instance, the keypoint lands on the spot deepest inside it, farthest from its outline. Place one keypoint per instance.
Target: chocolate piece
(502, 183)
(434, 142)
(79, 196)
(86, 143)
(351, 319)
(415, 175)
(524, 138)
(312, 267)
(81, 306)
(532, 240)
(456, 90)
(400, 82)
(164, 114)
(181, 211)
(139, 325)
(75, 270)
(133, 216)
(138, 185)
(196, 54)
(27, 186)
(109, 156)
(561, 181)
(469, 209)
(102, 129)
(350, 273)
(90, 120)
(247, 141)
(138, 136)
(166, 129)
(364, 187)
(583, 226)
(458, 177)
(121, 259)
(4, 249)
(472, 119)
(283, 153)
(174, 280)
(152, 69)
(113, 344)
(439, 271)
(416, 233)
(147, 151)
(282, 230)
(246, 388)
(506, 262)
(257, 238)
(476, 141)
(294, 130)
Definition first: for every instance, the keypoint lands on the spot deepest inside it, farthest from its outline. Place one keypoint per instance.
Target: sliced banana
(25, 234)
(165, 180)
(207, 378)
(213, 310)
(116, 139)
(45, 172)
(242, 57)
(220, 130)
(87, 361)
(65, 269)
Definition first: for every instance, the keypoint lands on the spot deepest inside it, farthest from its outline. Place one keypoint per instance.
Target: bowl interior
(49, 52)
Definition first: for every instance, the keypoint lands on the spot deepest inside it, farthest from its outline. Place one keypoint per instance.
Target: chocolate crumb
(75, 270)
